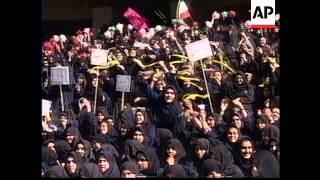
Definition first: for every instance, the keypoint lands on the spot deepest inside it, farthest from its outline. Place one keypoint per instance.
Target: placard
(60, 75)
(123, 83)
(199, 50)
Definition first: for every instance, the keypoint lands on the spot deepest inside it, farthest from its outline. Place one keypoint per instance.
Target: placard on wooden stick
(60, 75)
(123, 83)
(99, 57)
(199, 50)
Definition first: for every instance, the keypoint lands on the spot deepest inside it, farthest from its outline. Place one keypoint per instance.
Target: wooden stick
(61, 96)
(122, 100)
(95, 96)
(205, 81)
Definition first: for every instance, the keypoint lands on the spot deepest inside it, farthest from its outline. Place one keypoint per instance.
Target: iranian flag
(183, 13)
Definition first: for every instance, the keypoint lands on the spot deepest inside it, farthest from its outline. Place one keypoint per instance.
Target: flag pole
(206, 83)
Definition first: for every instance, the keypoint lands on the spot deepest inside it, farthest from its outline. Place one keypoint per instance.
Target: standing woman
(142, 120)
(80, 86)
(265, 131)
(245, 155)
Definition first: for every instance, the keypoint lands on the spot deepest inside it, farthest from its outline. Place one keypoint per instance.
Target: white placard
(60, 75)
(46, 105)
(199, 50)
(140, 45)
(99, 57)
(123, 83)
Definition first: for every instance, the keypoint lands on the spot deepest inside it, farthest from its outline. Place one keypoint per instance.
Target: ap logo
(263, 14)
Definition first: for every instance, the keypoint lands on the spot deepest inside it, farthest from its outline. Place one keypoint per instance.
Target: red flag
(135, 19)
(183, 13)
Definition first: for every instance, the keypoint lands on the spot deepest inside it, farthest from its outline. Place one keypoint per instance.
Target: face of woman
(169, 95)
(79, 80)
(236, 121)
(94, 82)
(137, 135)
(171, 152)
(217, 75)
(64, 121)
(239, 79)
(139, 118)
(261, 125)
(233, 135)
(132, 53)
(200, 152)
(246, 149)
(262, 41)
(100, 116)
(211, 121)
(119, 56)
(104, 129)
(71, 165)
(103, 164)
(81, 149)
(187, 103)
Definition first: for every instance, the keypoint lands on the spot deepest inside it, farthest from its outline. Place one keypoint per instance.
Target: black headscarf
(154, 163)
(78, 160)
(267, 164)
(74, 132)
(62, 149)
(131, 166)
(90, 170)
(211, 165)
(176, 145)
(131, 147)
(204, 144)
(174, 171)
(244, 164)
(224, 156)
(49, 156)
(113, 170)
(56, 172)
(88, 156)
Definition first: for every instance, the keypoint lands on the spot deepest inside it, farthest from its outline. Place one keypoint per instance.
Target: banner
(135, 19)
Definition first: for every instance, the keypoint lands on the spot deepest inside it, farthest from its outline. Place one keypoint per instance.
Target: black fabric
(174, 171)
(56, 172)
(154, 163)
(131, 148)
(131, 166)
(267, 164)
(49, 156)
(113, 170)
(90, 170)
(211, 165)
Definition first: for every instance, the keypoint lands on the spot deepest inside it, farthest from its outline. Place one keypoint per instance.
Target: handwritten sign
(46, 105)
(60, 75)
(199, 50)
(99, 57)
(123, 83)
